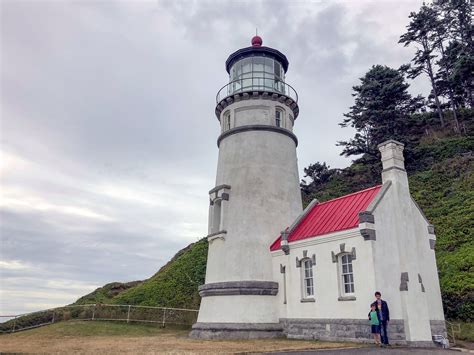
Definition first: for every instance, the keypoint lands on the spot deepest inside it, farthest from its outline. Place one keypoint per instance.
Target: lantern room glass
(257, 73)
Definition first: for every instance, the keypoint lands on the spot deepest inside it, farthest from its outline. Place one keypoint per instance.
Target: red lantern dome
(257, 41)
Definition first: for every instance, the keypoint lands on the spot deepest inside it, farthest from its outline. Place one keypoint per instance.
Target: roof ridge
(351, 194)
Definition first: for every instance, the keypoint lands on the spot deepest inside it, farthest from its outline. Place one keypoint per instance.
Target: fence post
(14, 323)
(93, 312)
(52, 321)
(164, 317)
(128, 314)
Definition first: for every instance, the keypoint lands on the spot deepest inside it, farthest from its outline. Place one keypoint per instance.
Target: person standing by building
(384, 315)
(374, 318)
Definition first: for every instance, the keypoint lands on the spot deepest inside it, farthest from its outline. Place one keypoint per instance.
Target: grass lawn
(467, 331)
(115, 337)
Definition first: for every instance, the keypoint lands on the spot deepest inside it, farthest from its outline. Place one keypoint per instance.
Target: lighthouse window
(308, 285)
(277, 70)
(278, 117)
(347, 276)
(226, 125)
(257, 73)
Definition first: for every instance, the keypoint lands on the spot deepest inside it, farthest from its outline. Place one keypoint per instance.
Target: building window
(216, 217)
(278, 117)
(347, 276)
(226, 125)
(308, 285)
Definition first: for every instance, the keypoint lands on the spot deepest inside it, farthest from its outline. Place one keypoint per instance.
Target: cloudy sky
(108, 133)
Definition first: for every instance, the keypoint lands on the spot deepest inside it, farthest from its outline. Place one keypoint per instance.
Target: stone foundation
(438, 327)
(355, 330)
(236, 330)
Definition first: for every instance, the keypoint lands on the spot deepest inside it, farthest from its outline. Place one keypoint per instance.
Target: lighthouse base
(236, 330)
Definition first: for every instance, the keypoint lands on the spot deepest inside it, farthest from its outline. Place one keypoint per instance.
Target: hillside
(443, 185)
(174, 285)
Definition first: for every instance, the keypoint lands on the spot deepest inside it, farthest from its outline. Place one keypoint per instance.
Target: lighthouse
(256, 194)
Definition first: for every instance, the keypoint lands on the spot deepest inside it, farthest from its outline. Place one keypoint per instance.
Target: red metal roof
(331, 216)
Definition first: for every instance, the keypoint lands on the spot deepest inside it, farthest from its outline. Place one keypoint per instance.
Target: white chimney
(393, 163)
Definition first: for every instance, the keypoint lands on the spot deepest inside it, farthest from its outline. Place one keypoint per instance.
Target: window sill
(304, 300)
(346, 298)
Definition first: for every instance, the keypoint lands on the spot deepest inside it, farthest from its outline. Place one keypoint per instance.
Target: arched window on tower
(216, 216)
(279, 117)
(226, 123)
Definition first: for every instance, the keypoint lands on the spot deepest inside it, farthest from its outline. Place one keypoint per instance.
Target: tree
(382, 106)
(422, 31)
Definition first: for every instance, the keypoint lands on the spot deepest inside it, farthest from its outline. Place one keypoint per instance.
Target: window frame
(349, 273)
(279, 121)
(226, 124)
(307, 265)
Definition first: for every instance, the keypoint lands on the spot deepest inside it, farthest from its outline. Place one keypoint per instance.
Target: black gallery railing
(256, 84)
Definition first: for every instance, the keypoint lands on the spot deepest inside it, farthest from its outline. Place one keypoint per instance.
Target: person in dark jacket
(384, 315)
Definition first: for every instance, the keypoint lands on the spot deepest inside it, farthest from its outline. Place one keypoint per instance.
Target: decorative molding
(261, 288)
(225, 196)
(256, 127)
(404, 281)
(257, 95)
(388, 142)
(366, 216)
(219, 187)
(368, 234)
(284, 242)
(213, 236)
(394, 168)
(346, 298)
(304, 258)
(342, 248)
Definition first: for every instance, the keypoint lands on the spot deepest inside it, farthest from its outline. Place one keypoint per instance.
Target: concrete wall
(327, 299)
(260, 168)
(256, 112)
(428, 268)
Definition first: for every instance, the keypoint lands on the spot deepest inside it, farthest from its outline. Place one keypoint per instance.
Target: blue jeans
(383, 332)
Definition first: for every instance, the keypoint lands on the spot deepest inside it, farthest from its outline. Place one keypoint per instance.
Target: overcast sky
(108, 133)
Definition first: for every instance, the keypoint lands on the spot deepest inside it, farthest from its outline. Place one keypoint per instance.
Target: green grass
(467, 331)
(100, 328)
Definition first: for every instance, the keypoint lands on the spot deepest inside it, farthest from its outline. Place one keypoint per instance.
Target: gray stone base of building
(354, 330)
(438, 327)
(236, 330)
(421, 344)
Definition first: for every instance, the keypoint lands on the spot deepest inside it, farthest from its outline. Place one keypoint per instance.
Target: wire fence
(93, 312)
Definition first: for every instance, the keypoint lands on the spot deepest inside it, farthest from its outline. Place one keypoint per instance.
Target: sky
(108, 133)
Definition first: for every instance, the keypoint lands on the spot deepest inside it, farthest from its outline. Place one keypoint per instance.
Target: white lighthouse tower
(256, 193)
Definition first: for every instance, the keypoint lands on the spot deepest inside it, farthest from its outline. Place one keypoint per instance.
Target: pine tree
(421, 31)
(382, 105)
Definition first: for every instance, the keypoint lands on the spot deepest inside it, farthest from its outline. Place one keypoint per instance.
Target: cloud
(108, 133)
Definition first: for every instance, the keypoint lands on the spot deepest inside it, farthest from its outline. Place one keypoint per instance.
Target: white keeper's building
(276, 270)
